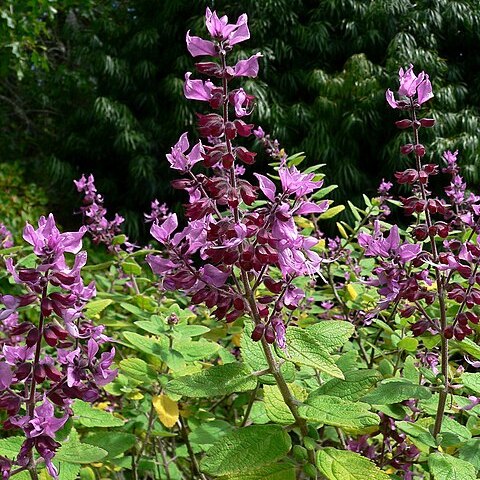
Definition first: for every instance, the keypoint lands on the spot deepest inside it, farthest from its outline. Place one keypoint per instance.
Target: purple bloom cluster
(225, 229)
(56, 360)
(407, 271)
(94, 215)
(6, 237)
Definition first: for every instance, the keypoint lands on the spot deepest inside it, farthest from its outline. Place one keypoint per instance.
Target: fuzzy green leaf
(446, 467)
(345, 465)
(246, 450)
(214, 381)
(304, 349)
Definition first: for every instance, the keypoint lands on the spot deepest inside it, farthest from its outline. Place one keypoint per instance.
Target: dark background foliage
(96, 86)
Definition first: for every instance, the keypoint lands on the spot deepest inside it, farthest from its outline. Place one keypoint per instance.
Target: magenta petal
(424, 91)
(241, 33)
(391, 99)
(247, 68)
(311, 207)
(266, 186)
(198, 46)
(197, 89)
(213, 275)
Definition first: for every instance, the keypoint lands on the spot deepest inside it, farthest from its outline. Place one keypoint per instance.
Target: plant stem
(274, 366)
(441, 296)
(194, 466)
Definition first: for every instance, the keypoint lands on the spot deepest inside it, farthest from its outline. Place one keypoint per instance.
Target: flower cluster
(226, 229)
(6, 238)
(57, 359)
(94, 215)
(448, 260)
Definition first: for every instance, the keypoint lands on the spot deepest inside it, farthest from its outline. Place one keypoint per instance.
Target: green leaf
(304, 349)
(345, 465)
(331, 334)
(335, 411)
(246, 450)
(276, 408)
(191, 330)
(453, 433)
(97, 306)
(131, 268)
(73, 451)
(138, 370)
(467, 346)
(214, 381)
(470, 452)
(195, 350)
(323, 192)
(472, 381)
(409, 344)
(446, 467)
(10, 447)
(332, 212)
(356, 384)
(209, 433)
(396, 392)
(277, 471)
(147, 345)
(115, 443)
(67, 471)
(89, 416)
(417, 432)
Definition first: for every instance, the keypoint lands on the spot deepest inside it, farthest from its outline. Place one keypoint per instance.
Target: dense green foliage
(97, 86)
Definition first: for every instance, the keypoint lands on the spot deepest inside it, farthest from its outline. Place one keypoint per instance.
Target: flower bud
(405, 123)
(269, 334)
(448, 332)
(406, 149)
(32, 337)
(39, 373)
(258, 331)
(427, 122)
(419, 150)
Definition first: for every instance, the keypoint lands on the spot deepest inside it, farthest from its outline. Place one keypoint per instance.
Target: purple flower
(181, 161)
(266, 186)
(221, 30)
(378, 245)
(43, 422)
(410, 85)
(6, 376)
(197, 89)
(241, 102)
(247, 68)
(48, 242)
(163, 232)
(6, 238)
(213, 275)
(198, 46)
(297, 183)
(280, 331)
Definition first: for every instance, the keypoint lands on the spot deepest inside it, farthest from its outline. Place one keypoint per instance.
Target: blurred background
(96, 86)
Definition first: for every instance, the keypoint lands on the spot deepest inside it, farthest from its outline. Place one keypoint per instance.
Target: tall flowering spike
(223, 237)
(415, 88)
